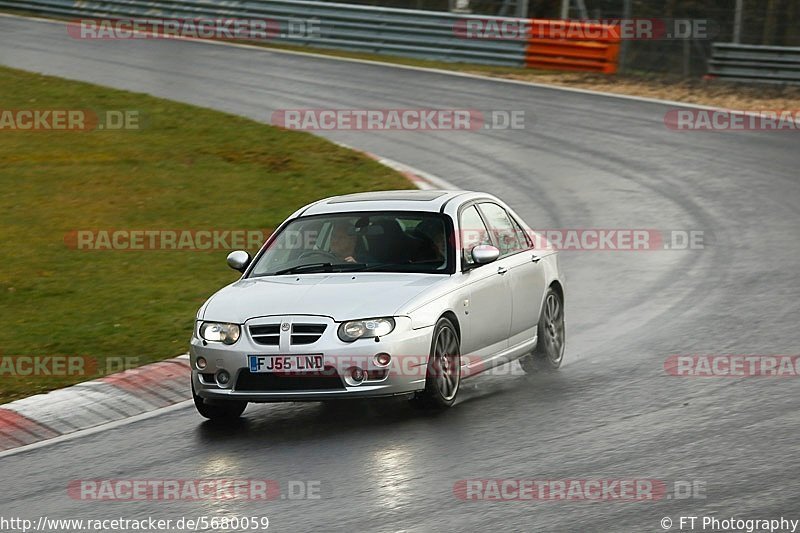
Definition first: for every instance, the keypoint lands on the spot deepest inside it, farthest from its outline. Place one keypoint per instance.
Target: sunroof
(403, 196)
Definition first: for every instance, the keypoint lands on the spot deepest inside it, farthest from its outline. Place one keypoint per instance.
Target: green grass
(187, 167)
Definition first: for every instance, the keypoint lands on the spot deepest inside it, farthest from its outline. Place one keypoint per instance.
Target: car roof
(403, 200)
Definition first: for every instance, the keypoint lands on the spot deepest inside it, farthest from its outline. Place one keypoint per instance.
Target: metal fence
(408, 33)
(430, 33)
(763, 64)
(756, 22)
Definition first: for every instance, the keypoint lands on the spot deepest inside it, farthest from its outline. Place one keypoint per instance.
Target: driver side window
(473, 233)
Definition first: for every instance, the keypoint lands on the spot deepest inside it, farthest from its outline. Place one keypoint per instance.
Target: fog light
(201, 363)
(382, 359)
(354, 376)
(223, 378)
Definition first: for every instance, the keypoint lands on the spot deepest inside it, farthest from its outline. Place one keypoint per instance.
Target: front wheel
(551, 332)
(443, 374)
(220, 411)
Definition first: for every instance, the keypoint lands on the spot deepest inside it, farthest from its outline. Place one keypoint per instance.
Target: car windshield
(358, 242)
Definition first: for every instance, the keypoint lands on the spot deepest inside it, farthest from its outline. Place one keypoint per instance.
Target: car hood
(341, 296)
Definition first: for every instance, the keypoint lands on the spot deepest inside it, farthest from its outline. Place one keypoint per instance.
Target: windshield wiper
(313, 266)
(398, 267)
(376, 266)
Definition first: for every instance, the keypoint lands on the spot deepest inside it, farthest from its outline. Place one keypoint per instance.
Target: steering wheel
(327, 256)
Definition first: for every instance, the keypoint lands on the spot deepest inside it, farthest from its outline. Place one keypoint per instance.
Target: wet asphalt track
(583, 161)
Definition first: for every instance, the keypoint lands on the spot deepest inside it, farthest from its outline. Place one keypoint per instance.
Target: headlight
(364, 329)
(219, 332)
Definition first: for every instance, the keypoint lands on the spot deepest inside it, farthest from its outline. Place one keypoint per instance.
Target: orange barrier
(573, 45)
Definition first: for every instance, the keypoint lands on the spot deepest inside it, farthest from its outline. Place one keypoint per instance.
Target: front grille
(269, 334)
(307, 333)
(268, 382)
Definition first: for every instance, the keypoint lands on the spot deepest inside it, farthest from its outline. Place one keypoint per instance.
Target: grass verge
(185, 168)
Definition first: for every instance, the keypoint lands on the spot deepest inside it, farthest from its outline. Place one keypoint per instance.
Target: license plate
(285, 363)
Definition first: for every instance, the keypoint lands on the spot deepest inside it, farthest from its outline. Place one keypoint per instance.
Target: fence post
(522, 9)
(737, 22)
(627, 13)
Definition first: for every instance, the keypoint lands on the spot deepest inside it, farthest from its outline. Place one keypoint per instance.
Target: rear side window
(524, 239)
(473, 233)
(506, 233)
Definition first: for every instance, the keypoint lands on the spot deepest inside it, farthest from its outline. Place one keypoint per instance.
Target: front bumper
(405, 373)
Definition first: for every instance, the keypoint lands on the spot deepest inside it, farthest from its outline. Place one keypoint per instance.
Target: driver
(432, 231)
(343, 241)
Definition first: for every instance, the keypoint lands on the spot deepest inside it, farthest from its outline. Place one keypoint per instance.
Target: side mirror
(239, 260)
(485, 253)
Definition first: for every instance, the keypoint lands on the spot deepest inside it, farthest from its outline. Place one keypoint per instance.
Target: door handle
(502, 270)
(535, 258)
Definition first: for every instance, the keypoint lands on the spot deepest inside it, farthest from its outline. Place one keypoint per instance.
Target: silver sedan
(380, 294)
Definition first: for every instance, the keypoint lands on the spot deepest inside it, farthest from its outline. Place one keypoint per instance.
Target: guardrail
(598, 54)
(408, 33)
(750, 63)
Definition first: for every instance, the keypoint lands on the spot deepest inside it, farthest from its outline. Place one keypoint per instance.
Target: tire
(220, 411)
(443, 374)
(551, 332)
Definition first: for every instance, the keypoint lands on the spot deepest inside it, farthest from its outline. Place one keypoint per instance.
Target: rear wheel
(549, 351)
(443, 374)
(220, 410)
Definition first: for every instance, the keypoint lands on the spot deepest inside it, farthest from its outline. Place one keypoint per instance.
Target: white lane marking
(428, 180)
(425, 180)
(96, 429)
(422, 69)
